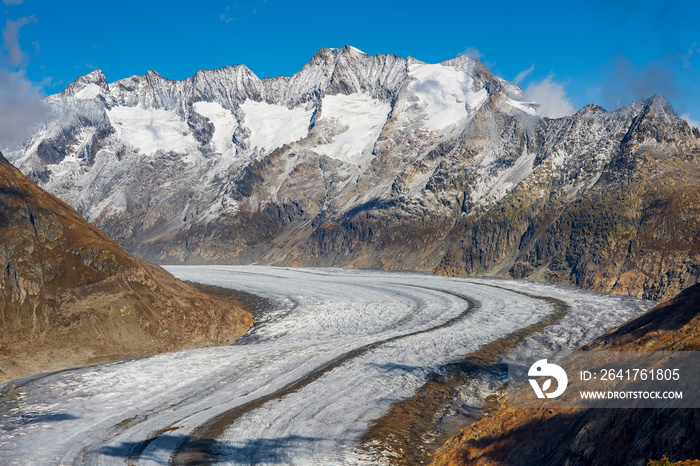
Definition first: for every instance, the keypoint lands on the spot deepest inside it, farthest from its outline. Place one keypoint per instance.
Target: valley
(336, 350)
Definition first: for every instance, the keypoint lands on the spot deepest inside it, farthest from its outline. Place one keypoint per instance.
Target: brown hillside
(70, 296)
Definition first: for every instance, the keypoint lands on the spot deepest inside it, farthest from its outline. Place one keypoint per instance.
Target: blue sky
(605, 52)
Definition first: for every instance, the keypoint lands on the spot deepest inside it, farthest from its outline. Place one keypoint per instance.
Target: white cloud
(691, 122)
(10, 37)
(551, 96)
(472, 52)
(21, 108)
(12, 2)
(523, 74)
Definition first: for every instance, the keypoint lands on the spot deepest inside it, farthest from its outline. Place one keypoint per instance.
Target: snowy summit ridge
(219, 120)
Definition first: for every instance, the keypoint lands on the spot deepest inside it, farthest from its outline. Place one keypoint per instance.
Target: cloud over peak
(691, 122)
(551, 96)
(472, 52)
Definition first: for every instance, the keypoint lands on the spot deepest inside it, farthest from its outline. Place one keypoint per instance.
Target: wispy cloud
(523, 74)
(627, 82)
(12, 2)
(242, 11)
(551, 96)
(21, 102)
(472, 52)
(225, 16)
(10, 37)
(691, 122)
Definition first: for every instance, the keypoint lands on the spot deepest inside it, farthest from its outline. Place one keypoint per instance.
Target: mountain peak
(96, 77)
(87, 86)
(461, 61)
(441, 140)
(325, 54)
(658, 103)
(153, 74)
(351, 49)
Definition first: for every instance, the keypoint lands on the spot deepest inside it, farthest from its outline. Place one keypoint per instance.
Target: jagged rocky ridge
(70, 296)
(380, 162)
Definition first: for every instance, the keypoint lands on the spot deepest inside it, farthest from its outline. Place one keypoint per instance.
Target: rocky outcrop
(514, 436)
(70, 296)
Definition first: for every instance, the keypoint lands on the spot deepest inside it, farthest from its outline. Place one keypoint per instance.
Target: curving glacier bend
(337, 350)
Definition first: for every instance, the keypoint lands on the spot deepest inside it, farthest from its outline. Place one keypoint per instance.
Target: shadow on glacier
(267, 450)
(26, 419)
(392, 367)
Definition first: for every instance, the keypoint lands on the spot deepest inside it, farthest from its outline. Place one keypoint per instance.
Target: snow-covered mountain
(378, 161)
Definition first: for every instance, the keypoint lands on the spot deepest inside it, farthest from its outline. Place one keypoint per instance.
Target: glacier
(338, 347)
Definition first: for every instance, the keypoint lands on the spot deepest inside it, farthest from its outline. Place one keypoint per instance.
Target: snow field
(271, 126)
(150, 131)
(90, 91)
(224, 125)
(364, 118)
(444, 94)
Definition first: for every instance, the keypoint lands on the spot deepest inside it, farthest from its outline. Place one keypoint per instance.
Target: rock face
(70, 296)
(512, 436)
(379, 162)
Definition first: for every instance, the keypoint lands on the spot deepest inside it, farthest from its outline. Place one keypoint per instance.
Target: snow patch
(364, 118)
(72, 167)
(224, 204)
(90, 91)
(509, 178)
(476, 99)
(224, 124)
(115, 203)
(494, 190)
(150, 131)
(444, 94)
(528, 107)
(65, 167)
(271, 126)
